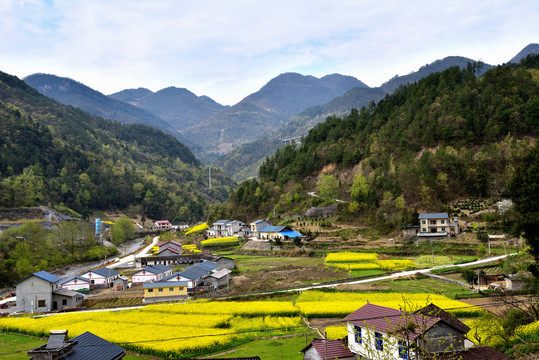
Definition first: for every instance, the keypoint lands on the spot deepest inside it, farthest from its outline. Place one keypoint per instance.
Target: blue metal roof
(157, 268)
(274, 229)
(43, 275)
(104, 271)
(171, 276)
(433, 216)
(258, 221)
(221, 221)
(291, 234)
(163, 284)
(68, 279)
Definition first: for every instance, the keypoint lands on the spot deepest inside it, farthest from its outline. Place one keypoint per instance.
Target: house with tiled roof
(162, 225)
(223, 228)
(41, 292)
(76, 283)
(151, 274)
(320, 349)
(375, 330)
(256, 226)
(101, 277)
(83, 347)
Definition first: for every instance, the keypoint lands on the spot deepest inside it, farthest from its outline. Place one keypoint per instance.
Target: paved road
(131, 258)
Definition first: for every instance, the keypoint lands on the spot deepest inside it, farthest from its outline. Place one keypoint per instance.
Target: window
(170, 289)
(160, 289)
(379, 342)
(403, 352)
(443, 222)
(41, 303)
(357, 334)
(443, 229)
(64, 302)
(150, 290)
(181, 288)
(423, 222)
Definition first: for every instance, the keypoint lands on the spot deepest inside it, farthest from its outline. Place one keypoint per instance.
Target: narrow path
(131, 257)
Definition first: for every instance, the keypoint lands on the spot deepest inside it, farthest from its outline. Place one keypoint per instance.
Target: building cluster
(257, 230)
(161, 284)
(378, 332)
(43, 291)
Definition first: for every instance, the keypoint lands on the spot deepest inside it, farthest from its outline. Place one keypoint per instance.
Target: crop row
(232, 240)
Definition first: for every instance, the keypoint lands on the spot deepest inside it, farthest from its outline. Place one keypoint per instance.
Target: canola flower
(321, 304)
(350, 257)
(221, 241)
(361, 266)
(336, 332)
(178, 330)
(197, 228)
(396, 264)
(529, 333)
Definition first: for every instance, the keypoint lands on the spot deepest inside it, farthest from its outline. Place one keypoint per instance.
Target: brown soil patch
(489, 304)
(278, 278)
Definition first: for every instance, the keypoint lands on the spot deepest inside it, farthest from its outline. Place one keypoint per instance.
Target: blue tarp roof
(291, 234)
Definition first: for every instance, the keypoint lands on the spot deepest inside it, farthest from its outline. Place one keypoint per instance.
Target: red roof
(170, 249)
(335, 349)
(475, 353)
(161, 243)
(384, 319)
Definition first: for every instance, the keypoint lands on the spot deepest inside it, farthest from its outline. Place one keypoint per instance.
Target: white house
(277, 232)
(162, 225)
(375, 330)
(437, 224)
(256, 226)
(222, 228)
(101, 277)
(151, 274)
(76, 283)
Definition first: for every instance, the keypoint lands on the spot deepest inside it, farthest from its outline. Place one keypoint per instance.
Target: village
(170, 272)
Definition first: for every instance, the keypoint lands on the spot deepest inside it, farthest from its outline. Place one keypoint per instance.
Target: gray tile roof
(157, 269)
(66, 292)
(93, 347)
(220, 274)
(433, 216)
(274, 229)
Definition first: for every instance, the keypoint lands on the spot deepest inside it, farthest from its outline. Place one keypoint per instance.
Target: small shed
(225, 262)
(121, 281)
(218, 278)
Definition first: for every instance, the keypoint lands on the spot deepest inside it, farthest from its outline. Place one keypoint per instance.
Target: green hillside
(450, 135)
(60, 155)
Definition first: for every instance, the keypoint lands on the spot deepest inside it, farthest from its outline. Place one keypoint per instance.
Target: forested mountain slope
(242, 162)
(71, 92)
(56, 154)
(450, 135)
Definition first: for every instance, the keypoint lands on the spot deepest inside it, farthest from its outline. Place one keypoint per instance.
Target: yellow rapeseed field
(193, 229)
(350, 257)
(336, 332)
(221, 241)
(321, 304)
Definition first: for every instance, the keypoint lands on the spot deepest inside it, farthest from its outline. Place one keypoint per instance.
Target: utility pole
(209, 177)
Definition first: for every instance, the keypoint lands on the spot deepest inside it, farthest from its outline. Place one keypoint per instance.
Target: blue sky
(229, 49)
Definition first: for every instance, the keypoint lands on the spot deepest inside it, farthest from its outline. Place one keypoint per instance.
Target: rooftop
(43, 275)
(164, 284)
(103, 271)
(433, 216)
(334, 349)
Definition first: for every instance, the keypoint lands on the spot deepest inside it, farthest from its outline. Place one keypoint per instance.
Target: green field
(274, 349)
(425, 286)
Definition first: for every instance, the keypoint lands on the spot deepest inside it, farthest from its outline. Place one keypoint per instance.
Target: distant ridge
(70, 92)
(178, 106)
(530, 49)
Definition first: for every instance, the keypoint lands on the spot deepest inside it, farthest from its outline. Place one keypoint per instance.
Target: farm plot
(179, 330)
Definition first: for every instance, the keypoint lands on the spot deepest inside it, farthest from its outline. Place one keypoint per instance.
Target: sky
(229, 49)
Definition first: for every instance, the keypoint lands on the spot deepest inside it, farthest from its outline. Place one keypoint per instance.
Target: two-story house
(437, 224)
(255, 227)
(223, 228)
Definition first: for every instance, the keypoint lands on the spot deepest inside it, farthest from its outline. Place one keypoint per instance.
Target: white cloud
(228, 49)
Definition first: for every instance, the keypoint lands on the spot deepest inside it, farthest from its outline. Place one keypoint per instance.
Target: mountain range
(239, 137)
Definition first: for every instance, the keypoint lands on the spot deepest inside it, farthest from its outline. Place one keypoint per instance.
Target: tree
(123, 230)
(524, 190)
(468, 275)
(504, 206)
(327, 186)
